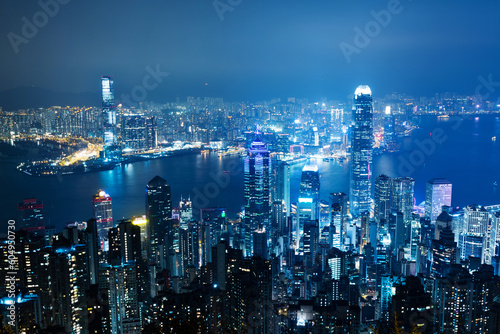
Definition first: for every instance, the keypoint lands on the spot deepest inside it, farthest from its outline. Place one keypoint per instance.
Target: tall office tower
(453, 300)
(337, 227)
(311, 241)
(257, 193)
(437, 194)
(213, 225)
(31, 211)
(122, 312)
(185, 212)
(389, 130)
(282, 183)
(361, 152)
(124, 243)
(189, 248)
(159, 217)
(66, 270)
(128, 277)
(151, 132)
(108, 111)
(444, 253)
(93, 249)
(478, 237)
(383, 197)
(308, 206)
(134, 132)
(403, 196)
(103, 214)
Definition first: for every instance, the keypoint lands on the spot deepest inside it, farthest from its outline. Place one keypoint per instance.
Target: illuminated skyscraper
(103, 214)
(308, 206)
(361, 152)
(403, 196)
(108, 111)
(257, 194)
(134, 132)
(437, 194)
(159, 216)
(383, 197)
(478, 238)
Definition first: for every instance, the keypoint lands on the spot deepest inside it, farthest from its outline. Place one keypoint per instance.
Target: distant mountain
(35, 97)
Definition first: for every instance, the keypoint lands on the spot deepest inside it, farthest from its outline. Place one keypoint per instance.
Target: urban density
(253, 167)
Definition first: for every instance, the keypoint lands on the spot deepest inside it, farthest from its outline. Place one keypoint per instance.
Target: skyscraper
(403, 196)
(437, 194)
(159, 216)
(134, 132)
(283, 185)
(257, 195)
(361, 152)
(308, 206)
(383, 197)
(108, 111)
(478, 238)
(103, 214)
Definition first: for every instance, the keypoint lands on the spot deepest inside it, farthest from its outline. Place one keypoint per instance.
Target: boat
(493, 138)
(495, 184)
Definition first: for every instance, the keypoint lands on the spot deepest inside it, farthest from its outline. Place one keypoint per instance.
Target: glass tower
(257, 194)
(437, 194)
(108, 111)
(308, 206)
(159, 217)
(361, 152)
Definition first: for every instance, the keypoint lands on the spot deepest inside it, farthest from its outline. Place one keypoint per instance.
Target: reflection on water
(468, 158)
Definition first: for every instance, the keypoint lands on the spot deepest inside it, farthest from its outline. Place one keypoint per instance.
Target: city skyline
(248, 167)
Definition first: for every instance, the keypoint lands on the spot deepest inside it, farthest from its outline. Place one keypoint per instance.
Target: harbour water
(460, 149)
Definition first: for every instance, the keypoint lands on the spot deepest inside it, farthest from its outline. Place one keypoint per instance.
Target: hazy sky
(259, 49)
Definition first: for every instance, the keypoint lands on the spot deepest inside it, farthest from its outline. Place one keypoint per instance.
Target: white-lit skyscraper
(361, 152)
(108, 111)
(437, 194)
(257, 167)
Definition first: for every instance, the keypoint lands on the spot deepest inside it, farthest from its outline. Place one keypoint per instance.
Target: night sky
(260, 49)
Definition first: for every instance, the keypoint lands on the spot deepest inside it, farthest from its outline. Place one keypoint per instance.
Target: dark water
(462, 151)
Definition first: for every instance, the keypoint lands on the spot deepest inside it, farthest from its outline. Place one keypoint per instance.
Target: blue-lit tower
(361, 152)
(257, 192)
(308, 206)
